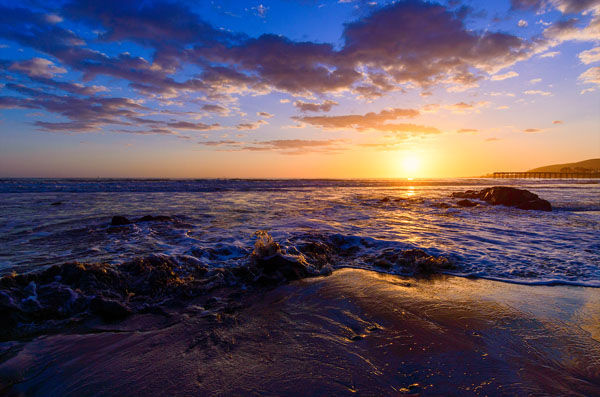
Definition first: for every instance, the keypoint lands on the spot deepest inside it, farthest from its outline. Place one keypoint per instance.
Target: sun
(411, 164)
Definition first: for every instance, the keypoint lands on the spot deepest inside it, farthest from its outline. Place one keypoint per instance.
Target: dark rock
(288, 269)
(469, 194)
(508, 196)
(385, 200)
(119, 221)
(109, 310)
(158, 218)
(467, 203)
(57, 203)
(442, 205)
(538, 205)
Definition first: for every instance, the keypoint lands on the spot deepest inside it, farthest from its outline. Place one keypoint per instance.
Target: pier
(546, 175)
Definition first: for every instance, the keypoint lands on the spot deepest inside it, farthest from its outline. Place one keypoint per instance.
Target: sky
(296, 88)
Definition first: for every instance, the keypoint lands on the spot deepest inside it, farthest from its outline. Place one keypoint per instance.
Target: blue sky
(296, 88)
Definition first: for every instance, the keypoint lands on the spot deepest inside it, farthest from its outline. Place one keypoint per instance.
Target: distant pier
(546, 175)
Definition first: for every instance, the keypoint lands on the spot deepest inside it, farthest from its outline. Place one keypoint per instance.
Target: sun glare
(410, 165)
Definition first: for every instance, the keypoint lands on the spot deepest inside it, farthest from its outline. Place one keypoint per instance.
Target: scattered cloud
(266, 115)
(557, 122)
(508, 75)
(550, 54)
(260, 10)
(185, 125)
(251, 125)
(463, 130)
(282, 146)
(537, 92)
(532, 130)
(370, 122)
(53, 18)
(522, 23)
(590, 56)
(591, 76)
(38, 67)
(315, 107)
(509, 94)
(492, 139)
(535, 81)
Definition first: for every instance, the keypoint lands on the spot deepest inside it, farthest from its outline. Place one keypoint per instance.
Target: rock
(119, 221)
(469, 194)
(467, 203)
(57, 203)
(385, 200)
(109, 310)
(508, 196)
(538, 205)
(287, 268)
(158, 218)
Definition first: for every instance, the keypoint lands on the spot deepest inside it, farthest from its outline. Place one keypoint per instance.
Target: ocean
(213, 223)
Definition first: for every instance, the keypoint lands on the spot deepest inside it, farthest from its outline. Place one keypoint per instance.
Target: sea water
(213, 222)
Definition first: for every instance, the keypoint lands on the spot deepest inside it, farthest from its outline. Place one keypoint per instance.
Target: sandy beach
(354, 332)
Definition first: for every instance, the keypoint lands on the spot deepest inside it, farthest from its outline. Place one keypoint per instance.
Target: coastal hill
(583, 166)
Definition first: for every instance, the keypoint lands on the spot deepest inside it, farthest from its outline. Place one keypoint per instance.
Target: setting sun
(410, 165)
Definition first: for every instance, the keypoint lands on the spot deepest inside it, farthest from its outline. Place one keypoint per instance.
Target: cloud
(492, 139)
(537, 92)
(463, 130)
(315, 107)
(557, 122)
(535, 81)
(522, 23)
(358, 122)
(266, 115)
(185, 125)
(371, 122)
(403, 43)
(532, 130)
(53, 18)
(251, 126)
(590, 56)
(38, 67)
(509, 94)
(213, 108)
(283, 146)
(508, 75)
(564, 6)
(260, 10)
(551, 54)
(459, 107)
(591, 76)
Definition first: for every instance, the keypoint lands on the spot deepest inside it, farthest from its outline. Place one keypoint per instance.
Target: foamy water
(214, 222)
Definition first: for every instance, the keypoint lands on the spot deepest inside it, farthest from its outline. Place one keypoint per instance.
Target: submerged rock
(412, 261)
(118, 220)
(109, 310)
(467, 203)
(157, 218)
(508, 196)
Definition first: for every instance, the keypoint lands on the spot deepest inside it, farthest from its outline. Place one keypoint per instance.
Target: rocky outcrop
(507, 196)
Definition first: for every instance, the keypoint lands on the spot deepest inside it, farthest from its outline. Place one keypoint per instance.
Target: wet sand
(354, 332)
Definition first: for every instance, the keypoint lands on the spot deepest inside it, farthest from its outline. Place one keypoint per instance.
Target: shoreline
(353, 331)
